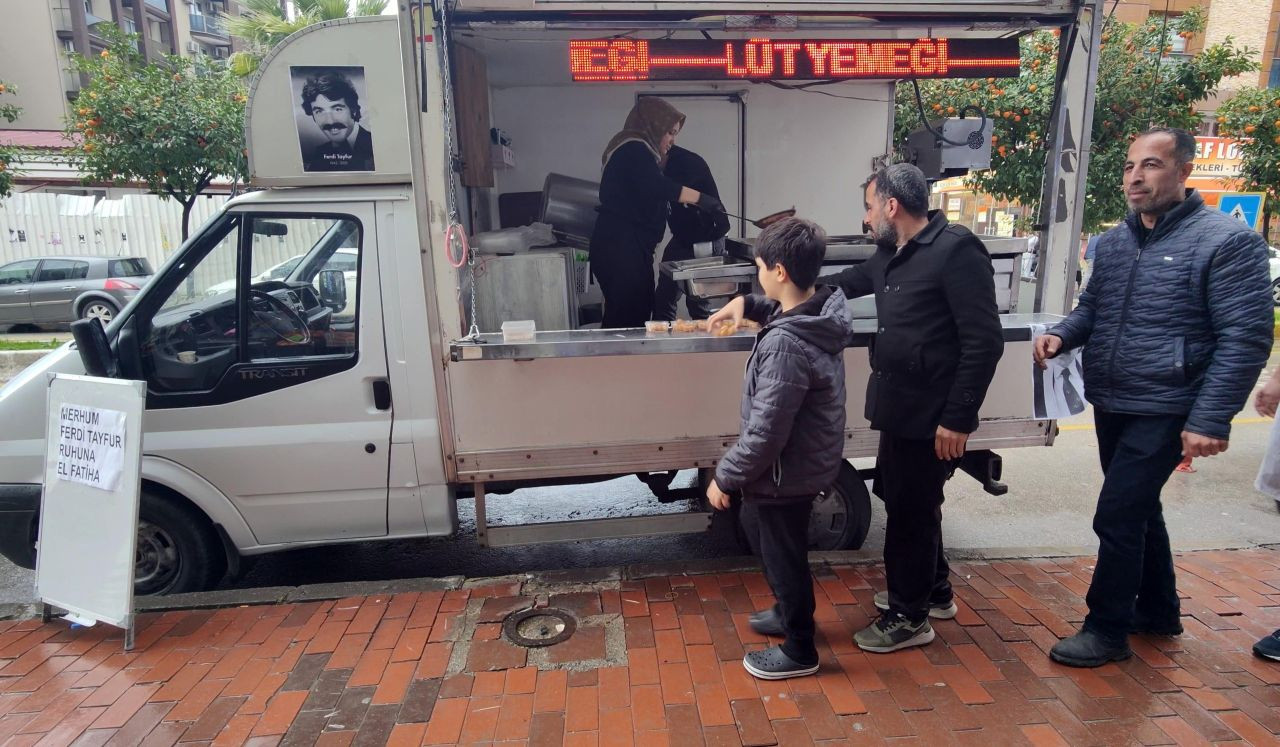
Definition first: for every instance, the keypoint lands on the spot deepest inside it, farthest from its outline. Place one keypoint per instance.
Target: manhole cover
(539, 627)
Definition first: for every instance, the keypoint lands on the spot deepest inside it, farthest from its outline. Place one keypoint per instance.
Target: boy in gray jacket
(792, 434)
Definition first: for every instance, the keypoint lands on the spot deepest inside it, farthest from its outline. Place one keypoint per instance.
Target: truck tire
(178, 550)
(842, 516)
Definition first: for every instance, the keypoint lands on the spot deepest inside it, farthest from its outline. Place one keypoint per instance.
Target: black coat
(690, 224)
(1177, 320)
(938, 339)
(793, 402)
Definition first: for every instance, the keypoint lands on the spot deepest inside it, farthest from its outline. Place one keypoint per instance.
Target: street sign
(1245, 207)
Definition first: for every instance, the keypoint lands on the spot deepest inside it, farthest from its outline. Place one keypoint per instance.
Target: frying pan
(768, 220)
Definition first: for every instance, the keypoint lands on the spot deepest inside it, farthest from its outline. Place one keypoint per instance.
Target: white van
(326, 407)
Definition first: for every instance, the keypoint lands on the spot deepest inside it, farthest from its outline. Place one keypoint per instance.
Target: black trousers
(779, 535)
(666, 297)
(624, 269)
(1134, 574)
(911, 480)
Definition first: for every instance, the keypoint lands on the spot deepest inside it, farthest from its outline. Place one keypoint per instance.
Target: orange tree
(174, 126)
(1252, 116)
(8, 154)
(1138, 87)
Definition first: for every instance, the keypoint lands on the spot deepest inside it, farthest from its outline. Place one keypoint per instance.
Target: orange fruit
(1249, 129)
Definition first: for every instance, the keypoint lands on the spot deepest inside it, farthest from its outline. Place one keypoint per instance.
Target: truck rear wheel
(842, 516)
(177, 549)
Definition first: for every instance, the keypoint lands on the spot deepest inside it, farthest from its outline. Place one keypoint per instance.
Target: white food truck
(361, 402)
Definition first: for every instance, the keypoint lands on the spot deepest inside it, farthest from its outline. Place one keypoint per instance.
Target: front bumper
(19, 511)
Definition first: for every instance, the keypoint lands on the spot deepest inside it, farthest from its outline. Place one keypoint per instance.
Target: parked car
(57, 290)
(344, 258)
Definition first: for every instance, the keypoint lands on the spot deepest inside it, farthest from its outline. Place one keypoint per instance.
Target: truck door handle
(21, 291)
(382, 394)
(68, 287)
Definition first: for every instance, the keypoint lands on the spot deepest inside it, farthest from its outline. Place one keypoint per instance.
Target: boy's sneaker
(766, 622)
(774, 664)
(1166, 628)
(892, 632)
(1088, 649)
(938, 611)
(1269, 647)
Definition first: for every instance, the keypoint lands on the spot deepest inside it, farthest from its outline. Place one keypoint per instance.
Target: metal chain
(473, 333)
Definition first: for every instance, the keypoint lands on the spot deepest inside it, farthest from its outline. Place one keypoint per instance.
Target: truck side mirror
(333, 289)
(95, 350)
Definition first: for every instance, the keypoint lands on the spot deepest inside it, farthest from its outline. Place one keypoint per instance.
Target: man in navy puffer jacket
(1177, 324)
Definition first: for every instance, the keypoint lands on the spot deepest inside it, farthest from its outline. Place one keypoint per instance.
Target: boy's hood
(824, 320)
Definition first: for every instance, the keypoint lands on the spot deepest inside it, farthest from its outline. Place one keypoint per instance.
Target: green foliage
(262, 25)
(173, 126)
(1138, 87)
(8, 154)
(1252, 116)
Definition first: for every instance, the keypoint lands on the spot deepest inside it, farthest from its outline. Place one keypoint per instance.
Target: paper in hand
(1058, 389)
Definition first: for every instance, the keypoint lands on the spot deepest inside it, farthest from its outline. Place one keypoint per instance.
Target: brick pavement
(655, 661)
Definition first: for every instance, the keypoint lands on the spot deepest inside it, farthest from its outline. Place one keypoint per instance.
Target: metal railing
(202, 24)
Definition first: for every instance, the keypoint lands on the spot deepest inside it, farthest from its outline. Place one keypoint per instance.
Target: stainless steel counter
(600, 342)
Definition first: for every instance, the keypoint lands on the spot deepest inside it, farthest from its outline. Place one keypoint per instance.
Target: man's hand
(731, 311)
(1046, 347)
(1195, 445)
(718, 498)
(1268, 398)
(949, 444)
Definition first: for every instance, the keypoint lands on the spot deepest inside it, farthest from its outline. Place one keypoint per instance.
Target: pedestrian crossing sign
(1245, 207)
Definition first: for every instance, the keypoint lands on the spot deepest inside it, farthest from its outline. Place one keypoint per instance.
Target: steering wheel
(297, 334)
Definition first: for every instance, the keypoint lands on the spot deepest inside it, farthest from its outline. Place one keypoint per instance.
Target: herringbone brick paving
(656, 661)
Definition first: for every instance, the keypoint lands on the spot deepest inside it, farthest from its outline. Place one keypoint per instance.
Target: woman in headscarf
(634, 196)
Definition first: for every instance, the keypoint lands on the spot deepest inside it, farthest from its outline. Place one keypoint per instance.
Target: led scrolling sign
(595, 60)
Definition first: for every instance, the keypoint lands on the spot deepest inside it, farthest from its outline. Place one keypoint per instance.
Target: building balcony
(209, 26)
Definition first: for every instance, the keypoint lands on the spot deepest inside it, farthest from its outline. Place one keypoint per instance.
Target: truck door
(274, 390)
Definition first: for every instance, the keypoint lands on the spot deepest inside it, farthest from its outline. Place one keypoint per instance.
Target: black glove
(709, 203)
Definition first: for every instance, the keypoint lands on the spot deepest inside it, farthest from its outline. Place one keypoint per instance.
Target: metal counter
(601, 342)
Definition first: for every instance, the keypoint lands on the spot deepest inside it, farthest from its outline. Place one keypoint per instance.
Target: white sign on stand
(89, 506)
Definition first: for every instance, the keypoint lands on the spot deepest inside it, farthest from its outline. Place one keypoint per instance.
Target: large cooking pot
(569, 205)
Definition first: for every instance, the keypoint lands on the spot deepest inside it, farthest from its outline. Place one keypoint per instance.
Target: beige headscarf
(648, 121)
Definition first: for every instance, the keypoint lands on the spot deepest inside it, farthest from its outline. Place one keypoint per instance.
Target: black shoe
(1142, 626)
(1269, 647)
(766, 622)
(1088, 649)
(774, 664)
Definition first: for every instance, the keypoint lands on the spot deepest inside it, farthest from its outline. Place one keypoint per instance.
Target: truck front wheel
(177, 551)
(842, 516)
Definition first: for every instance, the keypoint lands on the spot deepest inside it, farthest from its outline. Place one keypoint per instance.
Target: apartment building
(1250, 23)
(37, 36)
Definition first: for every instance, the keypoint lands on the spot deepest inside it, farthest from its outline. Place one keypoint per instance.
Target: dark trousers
(1134, 574)
(779, 535)
(666, 297)
(911, 480)
(623, 266)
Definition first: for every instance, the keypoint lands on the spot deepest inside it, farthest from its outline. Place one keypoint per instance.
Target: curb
(12, 362)
(552, 579)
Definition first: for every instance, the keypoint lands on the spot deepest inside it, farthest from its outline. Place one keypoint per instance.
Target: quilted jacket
(1178, 324)
(791, 439)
